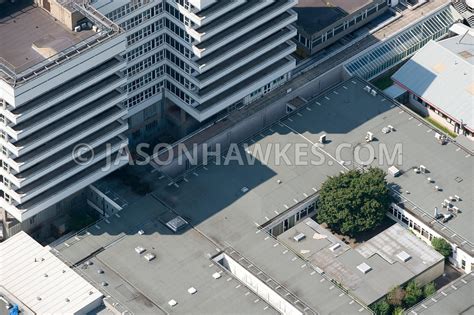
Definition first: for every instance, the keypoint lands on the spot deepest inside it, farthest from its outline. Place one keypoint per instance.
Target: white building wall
(426, 233)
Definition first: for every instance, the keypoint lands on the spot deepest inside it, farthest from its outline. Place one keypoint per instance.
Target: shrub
(442, 246)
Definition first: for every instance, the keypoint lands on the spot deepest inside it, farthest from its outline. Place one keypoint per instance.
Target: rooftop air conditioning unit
(394, 171)
(422, 169)
(149, 256)
(334, 247)
(139, 250)
(373, 92)
(369, 137)
(299, 237)
(367, 89)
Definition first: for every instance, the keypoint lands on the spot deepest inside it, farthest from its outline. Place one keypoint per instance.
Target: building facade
(191, 60)
(63, 98)
(106, 73)
(322, 23)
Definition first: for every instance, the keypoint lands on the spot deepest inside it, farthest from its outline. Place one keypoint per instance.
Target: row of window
(142, 17)
(144, 32)
(127, 9)
(145, 95)
(145, 64)
(145, 79)
(143, 49)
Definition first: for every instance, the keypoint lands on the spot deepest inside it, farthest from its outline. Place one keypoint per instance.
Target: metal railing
(107, 29)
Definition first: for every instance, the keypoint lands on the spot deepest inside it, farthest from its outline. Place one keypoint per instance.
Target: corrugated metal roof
(40, 280)
(442, 74)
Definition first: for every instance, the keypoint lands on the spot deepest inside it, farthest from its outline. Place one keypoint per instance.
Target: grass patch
(441, 127)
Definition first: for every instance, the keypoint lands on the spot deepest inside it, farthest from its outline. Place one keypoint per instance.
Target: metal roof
(441, 73)
(40, 280)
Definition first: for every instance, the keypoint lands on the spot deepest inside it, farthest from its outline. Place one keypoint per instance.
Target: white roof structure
(441, 73)
(42, 282)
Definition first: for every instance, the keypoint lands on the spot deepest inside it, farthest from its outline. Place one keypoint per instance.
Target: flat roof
(345, 114)
(41, 281)
(32, 35)
(213, 200)
(371, 269)
(442, 74)
(454, 298)
(182, 261)
(316, 15)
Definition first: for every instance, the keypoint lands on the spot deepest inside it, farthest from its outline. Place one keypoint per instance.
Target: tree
(413, 294)
(429, 289)
(442, 246)
(398, 311)
(381, 308)
(354, 202)
(395, 296)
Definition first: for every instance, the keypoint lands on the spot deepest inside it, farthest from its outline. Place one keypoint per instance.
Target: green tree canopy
(413, 294)
(429, 289)
(442, 246)
(381, 307)
(354, 202)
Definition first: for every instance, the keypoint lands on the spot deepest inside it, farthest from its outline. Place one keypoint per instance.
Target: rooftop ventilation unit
(334, 247)
(141, 232)
(373, 92)
(364, 268)
(176, 224)
(369, 137)
(216, 275)
(139, 250)
(172, 303)
(394, 171)
(391, 128)
(322, 139)
(367, 89)
(404, 256)
(149, 256)
(299, 237)
(422, 169)
(244, 189)
(192, 290)
(447, 217)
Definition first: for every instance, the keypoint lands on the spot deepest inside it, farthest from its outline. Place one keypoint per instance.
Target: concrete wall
(257, 121)
(430, 274)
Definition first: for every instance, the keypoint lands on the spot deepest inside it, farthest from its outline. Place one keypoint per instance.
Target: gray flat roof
(33, 26)
(341, 262)
(442, 73)
(182, 261)
(212, 200)
(316, 15)
(454, 298)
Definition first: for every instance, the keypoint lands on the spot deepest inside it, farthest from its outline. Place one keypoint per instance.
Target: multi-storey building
(190, 60)
(82, 71)
(58, 88)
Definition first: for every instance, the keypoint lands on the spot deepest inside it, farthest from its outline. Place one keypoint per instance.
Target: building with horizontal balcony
(190, 61)
(322, 23)
(61, 86)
